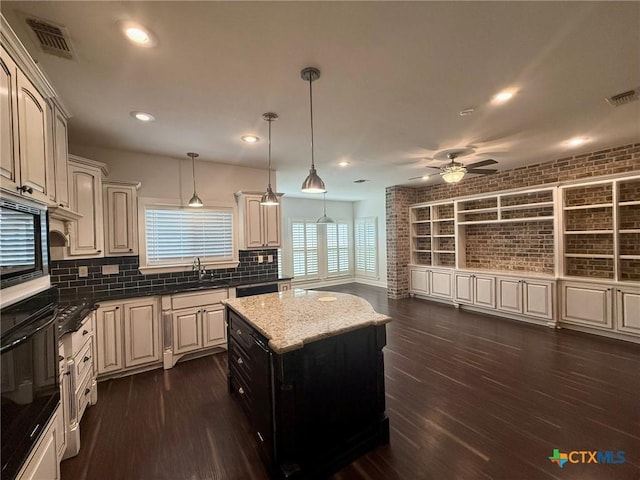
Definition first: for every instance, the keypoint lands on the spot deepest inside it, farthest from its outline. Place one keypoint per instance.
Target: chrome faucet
(197, 266)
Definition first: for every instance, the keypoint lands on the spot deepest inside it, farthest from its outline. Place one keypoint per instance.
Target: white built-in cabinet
(128, 334)
(58, 156)
(196, 322)
(260, 225)
(85, 191)
(431, 281)
(529, 297)
(475, 289)
(24, 133)
(120, 218)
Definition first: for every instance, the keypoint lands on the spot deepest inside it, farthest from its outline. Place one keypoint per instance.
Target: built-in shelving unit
(433, 235)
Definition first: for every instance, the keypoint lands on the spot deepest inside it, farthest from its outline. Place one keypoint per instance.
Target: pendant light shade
(195, 199)
(324, 218)
(313, 183)
(269, 198)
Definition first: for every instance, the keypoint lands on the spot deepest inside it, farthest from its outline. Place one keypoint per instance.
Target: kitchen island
(307, 368)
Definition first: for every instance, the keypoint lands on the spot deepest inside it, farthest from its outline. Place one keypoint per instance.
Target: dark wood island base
(315, 409)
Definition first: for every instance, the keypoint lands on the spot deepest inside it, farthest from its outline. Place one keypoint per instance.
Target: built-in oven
(24, 253)
(29, 376)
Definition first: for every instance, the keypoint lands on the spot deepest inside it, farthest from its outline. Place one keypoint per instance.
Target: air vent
(624, 97)
(51, 38)
(361, 180)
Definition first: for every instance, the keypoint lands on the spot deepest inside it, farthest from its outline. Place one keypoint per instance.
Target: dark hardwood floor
(469, 396)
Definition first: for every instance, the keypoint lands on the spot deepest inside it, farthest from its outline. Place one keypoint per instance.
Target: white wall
(171, 178)
(375, 206)
(311, 209)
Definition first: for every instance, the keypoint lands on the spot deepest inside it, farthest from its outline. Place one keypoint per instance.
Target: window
(304, 240)
(337, 249)
(174, 235)
(366, 244)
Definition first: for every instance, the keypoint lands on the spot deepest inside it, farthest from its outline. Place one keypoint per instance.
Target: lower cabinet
(530, 297)
(127, 334)
(43, 463)
(431, 282)
(475, 289)
(602, 306)
(193, 322)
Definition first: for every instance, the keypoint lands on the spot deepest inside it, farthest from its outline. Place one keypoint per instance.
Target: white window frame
(145, 268)
(367, 272)
(349, 271)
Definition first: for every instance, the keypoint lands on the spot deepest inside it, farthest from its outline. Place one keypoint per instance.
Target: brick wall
(64, 274)
(615, 160)
(398, 200)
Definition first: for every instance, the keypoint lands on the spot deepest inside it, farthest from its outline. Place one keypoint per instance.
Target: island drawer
(239, 359)
(240, 330)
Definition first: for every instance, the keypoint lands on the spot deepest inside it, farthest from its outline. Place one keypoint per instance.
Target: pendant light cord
(193, 168)
(270, 120)
(311, 109)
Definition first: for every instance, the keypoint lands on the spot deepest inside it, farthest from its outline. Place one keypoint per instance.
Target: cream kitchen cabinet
(605, 306)
(529, 297)
(127, 335)
(120, 218)
(260, 225)
(24, 133)
(194, 322)
(431, 282)
(475, 289)
(58, 156)
(85, 183)
(42, 463)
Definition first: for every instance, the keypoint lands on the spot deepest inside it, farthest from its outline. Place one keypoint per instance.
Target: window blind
(304, 242)
(17, 243)
(175, 235)
(337, 249)
(366, 243)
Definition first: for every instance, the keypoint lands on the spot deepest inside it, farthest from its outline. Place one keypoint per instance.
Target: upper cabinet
(120, 218)
(58, 175)
(25, 133)
(85, 197)
(260, 225)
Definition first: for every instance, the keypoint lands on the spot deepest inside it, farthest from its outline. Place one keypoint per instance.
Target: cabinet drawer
(83, 395)
(83, 361)
(240, 330)
(239, 360)
(191, 300)
(81, 336)
(242, 393)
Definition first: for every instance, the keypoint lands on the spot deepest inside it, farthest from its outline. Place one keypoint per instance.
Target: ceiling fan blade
(482, 171)
(437, 168)
(482, 163)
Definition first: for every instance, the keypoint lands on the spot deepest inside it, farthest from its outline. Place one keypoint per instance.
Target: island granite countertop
(291, 319)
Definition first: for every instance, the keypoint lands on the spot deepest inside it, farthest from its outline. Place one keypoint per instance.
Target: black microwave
(24, 251)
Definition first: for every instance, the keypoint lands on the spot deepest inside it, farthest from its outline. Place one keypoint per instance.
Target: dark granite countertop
(87, 303)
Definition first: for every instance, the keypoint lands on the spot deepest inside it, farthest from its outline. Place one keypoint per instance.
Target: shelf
(443, 251)
(630, 230)
(630, 257)
(420, 221)
(507, 220)
(588, 232)
(421, 236)
(586, 255)
(587, 207)
(479, 210)
(527, 206)
(444, 236)
(422, 251)
(633, 202)
(442, 220)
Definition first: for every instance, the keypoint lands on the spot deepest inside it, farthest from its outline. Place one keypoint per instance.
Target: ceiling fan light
(269, 198)
(313, 183)
(195, 201)
(453, 174)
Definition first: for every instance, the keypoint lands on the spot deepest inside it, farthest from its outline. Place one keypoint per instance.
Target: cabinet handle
(241, 391)
(67, 373)
(240, 361)
(117, 308)
(25, 189)
(98, 251)
(239, 332)
(87, 391)
(204, 311)
(131, 249)
(608, 289)
(60, 358)
(260, 437)
(84, 332)
(86, 359)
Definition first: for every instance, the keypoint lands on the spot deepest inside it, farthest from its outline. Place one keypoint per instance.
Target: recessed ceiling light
(426, 177)
(576, 141)
(466, 111)
(143, 116)
(138, 35)
(249, 139)
(344, 163)
(503, 96)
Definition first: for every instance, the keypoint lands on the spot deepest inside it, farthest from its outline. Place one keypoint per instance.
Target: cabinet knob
(86, 359)
(84, 332)
(131, 249)
(98, 251)
(87, 391)
(240, 361)
(117, 308)
(204, 311)
(608, 289)
(241, 391)
(25, 189)
(239, 332)
(60, 358)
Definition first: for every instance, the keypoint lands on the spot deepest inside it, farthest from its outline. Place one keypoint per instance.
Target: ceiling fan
(454, 171)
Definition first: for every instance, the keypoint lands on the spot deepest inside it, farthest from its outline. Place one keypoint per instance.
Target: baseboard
(322, 283)
(371, 281)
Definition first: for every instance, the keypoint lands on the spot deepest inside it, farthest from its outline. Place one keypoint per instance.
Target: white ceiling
(394, 78)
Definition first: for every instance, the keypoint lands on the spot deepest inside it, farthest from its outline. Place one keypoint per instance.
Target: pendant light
(313, 183)
(269, 198)
(195, 199)
(324, 218)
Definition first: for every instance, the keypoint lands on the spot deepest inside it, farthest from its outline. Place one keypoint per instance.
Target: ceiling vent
(624, 97)
(52, 39)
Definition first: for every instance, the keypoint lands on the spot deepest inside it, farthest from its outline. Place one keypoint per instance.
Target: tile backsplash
(65, 273)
